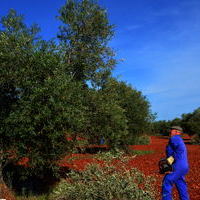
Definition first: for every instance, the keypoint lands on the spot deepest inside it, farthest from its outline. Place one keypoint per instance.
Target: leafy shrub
(104, 183)
(120, 155)
(141, 140)
(108, 156)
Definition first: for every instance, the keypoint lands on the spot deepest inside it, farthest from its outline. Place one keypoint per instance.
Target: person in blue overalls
(176, 154)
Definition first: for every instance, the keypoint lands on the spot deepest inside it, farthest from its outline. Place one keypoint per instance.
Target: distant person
(102, 140)
(176, 157)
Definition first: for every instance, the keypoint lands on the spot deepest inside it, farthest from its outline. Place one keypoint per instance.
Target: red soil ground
(5, 193)
(148, 164)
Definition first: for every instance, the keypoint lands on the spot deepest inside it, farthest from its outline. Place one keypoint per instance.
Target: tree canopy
(52, 89)
(190, 122)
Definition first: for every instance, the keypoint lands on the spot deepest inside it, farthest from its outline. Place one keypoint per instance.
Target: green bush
(141, 140)
(109, 155)
(104, 183)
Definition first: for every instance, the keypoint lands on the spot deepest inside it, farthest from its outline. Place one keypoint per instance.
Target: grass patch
(141, 152)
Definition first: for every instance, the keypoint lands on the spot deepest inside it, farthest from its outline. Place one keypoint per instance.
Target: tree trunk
(5, 192)
(1, 177)
(1, 166)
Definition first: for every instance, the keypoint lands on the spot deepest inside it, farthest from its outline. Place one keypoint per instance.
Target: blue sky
(158, 41)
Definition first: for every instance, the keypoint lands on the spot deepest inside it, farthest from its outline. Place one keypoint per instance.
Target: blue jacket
(176, 148)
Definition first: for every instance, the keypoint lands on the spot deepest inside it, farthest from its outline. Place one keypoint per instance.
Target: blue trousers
(177, 178)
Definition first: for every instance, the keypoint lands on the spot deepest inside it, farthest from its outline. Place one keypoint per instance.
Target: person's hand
(170, 160)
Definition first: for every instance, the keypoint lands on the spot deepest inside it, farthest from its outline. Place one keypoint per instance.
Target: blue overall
(177, 149)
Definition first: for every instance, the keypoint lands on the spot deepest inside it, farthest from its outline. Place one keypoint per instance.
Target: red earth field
(148, 164)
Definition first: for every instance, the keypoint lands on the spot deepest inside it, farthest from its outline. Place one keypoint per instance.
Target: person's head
(175, 130)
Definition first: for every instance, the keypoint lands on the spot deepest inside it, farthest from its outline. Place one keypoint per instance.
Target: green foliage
(161, 127)
(105, 183)
(136, 108)
(16, 45)
(84, 36)
(141, 152)
(44, 101)
(109, 155)
(141, 140)
(105, 118)
(44, 115)
(48, 89)
(190, 123)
